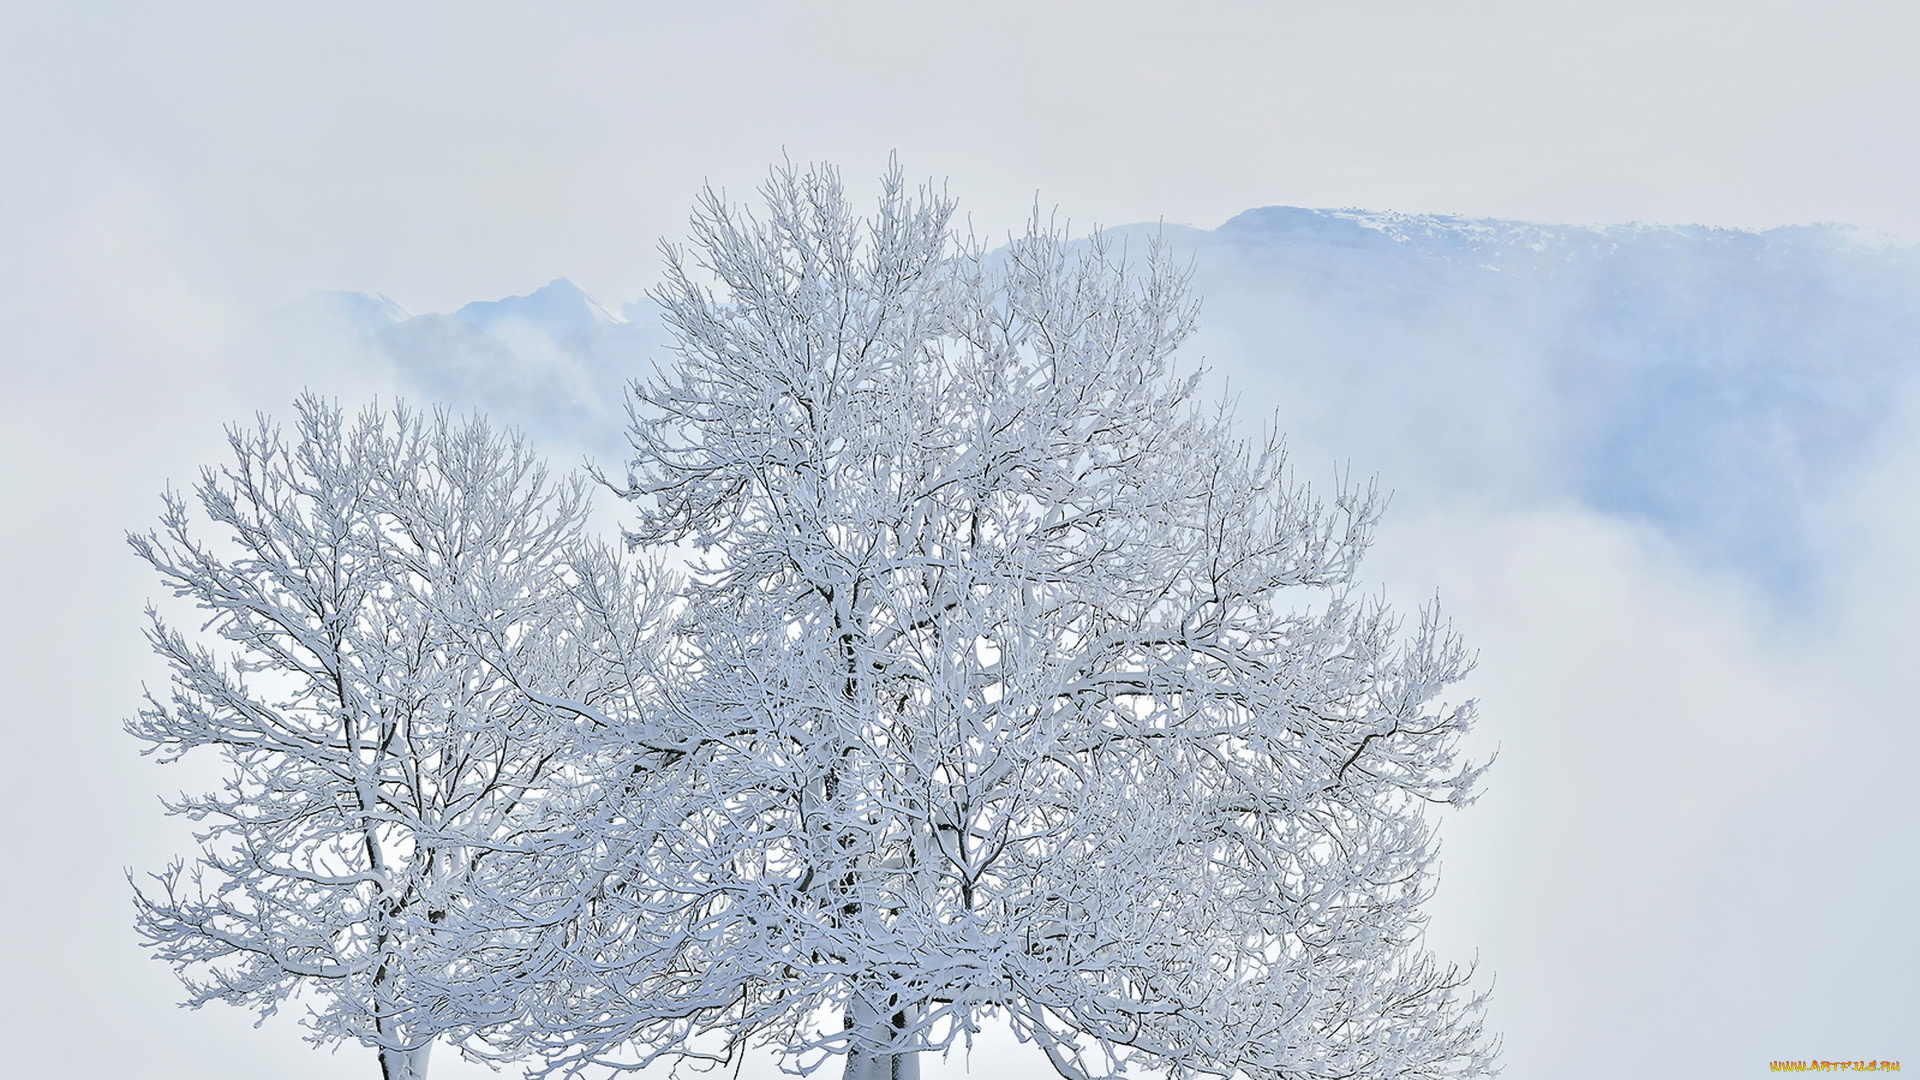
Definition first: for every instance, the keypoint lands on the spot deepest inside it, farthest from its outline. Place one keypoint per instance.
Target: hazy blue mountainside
(1713, 383)
(553, 362)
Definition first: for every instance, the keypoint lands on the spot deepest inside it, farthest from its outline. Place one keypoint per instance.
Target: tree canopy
(389, 598)
(1012, 683)
(1005, 681)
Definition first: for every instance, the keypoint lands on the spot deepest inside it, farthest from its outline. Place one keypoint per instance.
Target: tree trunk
(404, 1064)
(879, 1028)
(864, 1066)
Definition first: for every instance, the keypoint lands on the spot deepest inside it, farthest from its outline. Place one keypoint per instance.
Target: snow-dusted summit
(1713, 383)
(559, 309)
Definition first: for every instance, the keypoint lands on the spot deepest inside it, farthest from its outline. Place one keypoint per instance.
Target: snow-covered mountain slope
(1713, 384)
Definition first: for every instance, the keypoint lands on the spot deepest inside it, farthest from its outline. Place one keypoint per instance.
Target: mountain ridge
(1700, 379)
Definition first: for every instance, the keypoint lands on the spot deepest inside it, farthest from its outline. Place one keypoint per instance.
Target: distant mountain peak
(560, 309)
(1443, 235)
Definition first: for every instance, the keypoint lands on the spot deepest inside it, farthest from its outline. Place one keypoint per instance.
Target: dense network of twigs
(1002, 681)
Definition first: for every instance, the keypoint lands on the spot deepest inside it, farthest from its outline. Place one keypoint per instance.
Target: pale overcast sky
(172, 172)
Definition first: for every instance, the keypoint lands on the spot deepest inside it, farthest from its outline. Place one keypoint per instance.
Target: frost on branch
(1010, 683)
(404, 635)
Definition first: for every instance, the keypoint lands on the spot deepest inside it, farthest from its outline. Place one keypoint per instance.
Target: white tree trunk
(862, 1066)
(404, 1064)
(877, 1027)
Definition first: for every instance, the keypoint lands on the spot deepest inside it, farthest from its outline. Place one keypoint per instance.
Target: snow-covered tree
(404, 631)
(1012, 683)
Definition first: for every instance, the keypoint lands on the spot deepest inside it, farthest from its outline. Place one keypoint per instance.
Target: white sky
(169, 172)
